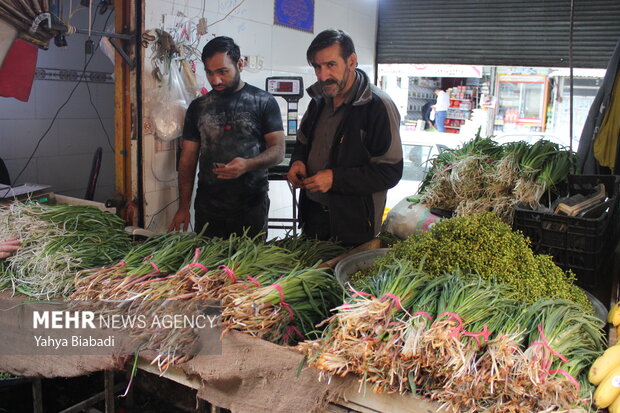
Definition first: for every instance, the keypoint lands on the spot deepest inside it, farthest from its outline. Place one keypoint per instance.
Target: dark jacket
(587, 163)
(366, 160)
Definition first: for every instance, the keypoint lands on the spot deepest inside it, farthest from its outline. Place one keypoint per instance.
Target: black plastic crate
(576, 243)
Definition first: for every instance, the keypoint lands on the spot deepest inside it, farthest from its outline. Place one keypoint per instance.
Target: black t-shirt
(230, 126)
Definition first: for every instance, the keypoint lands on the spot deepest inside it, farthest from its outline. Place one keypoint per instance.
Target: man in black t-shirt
(235, 132)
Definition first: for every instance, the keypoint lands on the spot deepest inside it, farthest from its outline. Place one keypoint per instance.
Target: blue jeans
(440, 119)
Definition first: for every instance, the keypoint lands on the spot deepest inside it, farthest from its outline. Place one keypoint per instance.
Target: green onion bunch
(310, 251)
(287, 310)
(482, 175)
(58, 241)
(457, 338)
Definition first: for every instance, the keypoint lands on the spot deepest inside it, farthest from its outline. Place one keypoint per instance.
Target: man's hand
(322, 181)
(232, 170)
(180, 221)
(8, 247)
(296, 174)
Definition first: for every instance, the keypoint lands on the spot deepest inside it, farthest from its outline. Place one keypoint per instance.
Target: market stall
(465, 315)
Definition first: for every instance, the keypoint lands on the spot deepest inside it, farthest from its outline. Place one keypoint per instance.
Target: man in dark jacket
(348, 151)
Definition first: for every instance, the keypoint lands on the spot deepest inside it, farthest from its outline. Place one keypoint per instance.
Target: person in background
(235, 132)
(426, 114)
(441, 109)
(8, 247)
(348, 151)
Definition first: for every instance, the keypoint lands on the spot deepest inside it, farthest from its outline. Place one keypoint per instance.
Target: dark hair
(221, 44)
(329, 37)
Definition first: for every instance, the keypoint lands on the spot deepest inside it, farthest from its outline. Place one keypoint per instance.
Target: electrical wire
(81, 77)
(228, 14)
(90, 96)
(160, 211)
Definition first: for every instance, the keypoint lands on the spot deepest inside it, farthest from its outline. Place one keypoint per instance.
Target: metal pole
(570, 65)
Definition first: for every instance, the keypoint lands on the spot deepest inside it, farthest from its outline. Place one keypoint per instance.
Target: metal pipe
(570, 65)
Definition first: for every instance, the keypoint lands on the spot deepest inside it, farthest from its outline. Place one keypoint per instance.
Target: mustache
(328, 82)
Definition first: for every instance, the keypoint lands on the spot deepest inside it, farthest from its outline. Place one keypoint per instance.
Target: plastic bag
(408, 218)
(168, 106)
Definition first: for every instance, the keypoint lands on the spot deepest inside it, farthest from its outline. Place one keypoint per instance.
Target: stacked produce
(57, 241)
(466, 342)
(482, 244)
(265, 289)
(139, 270)
(286, 310)
(485, 176)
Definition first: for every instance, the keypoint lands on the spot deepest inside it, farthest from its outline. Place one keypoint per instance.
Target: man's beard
(230, 89)
(339, 86)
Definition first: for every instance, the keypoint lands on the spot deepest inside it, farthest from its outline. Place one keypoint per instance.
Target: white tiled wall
(283, 51)
(64, 156)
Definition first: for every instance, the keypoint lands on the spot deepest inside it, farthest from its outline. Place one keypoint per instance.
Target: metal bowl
(355, 262)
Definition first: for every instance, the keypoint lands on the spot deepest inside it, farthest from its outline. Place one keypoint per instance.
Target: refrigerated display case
(521, 103)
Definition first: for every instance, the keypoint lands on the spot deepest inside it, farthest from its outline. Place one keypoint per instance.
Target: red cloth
(17, 71)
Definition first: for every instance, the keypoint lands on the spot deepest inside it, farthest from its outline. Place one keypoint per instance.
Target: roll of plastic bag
(408, 218)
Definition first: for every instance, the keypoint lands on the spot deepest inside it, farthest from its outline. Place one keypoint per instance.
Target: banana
(615, 406)
(608, 390)
(604, 364)
(614, 314)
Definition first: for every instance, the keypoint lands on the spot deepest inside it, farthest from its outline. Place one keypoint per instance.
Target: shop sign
(522, 78)
(415, 70)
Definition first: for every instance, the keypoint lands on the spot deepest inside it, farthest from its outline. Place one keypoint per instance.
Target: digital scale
(291, 88)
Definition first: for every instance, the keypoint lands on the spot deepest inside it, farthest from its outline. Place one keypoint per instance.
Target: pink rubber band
(362, 293)
(484, 333)
(253, 280)
(544, 343)
(283, 303)
(456, 330)
(290, 330)
(423, 314)
(395, 298)
(568, 377)
(229, 273)
(278, 287)
(195, 264)
(155, 267)
(121, 264)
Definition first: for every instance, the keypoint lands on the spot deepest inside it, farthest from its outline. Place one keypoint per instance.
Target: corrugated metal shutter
(497, 32)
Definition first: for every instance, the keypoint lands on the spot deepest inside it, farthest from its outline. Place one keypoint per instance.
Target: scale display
(286, 87)
(291, 89)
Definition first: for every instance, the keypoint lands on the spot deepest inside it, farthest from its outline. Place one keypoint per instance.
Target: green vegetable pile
(58, 241)
(482, 244)
(483, 175)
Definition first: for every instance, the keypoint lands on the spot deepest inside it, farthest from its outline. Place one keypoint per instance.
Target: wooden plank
(37, 395)
(63, 199)
(122, 103)
(172, 373)
(108, 388)
(96, 398)
(384, 402)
